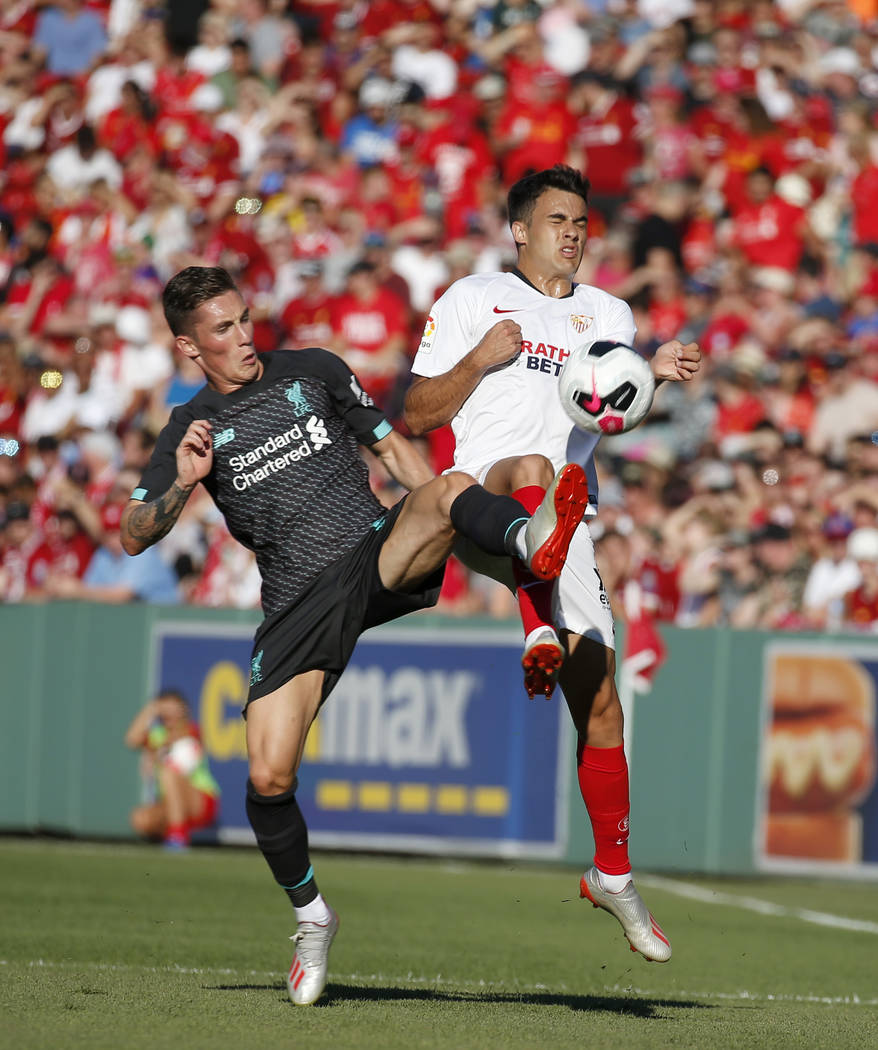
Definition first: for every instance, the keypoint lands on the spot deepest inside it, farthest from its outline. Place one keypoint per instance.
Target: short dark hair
(188, 289)
(524, 194)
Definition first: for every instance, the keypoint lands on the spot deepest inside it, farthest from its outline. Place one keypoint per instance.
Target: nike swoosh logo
(514, 310)
(594, 402)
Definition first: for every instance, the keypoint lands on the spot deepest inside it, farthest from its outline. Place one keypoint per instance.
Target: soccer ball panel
(606, 387)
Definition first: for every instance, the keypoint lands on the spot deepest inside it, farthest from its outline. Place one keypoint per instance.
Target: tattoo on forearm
(149, 522)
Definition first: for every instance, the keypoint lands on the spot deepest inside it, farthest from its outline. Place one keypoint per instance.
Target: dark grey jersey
(287, 474)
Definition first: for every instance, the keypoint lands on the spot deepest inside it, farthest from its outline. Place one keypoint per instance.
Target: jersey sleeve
(619, 323)
(161, 471)
(448, 333)
(367, 421)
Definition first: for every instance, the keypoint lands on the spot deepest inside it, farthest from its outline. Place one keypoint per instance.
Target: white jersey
(515, 409)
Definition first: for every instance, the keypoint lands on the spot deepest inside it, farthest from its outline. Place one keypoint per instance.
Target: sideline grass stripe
(440, 980)
(756, 904)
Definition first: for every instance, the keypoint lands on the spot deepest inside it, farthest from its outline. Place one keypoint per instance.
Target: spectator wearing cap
(369, 331)
(832, 576)
(369, 137)
(306, 320)
(783, 566)
(70, 36)
(861, 603)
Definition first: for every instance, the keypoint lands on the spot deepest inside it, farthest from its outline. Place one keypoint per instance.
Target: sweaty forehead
(560, 202)
(226, 307)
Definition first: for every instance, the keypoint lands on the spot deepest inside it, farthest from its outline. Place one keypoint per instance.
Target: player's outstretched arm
(144, 524)
(676, 361)
(402, 461)
(432, 402)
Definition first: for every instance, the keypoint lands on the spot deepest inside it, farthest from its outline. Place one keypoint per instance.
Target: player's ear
(519, 233)
(186, 347)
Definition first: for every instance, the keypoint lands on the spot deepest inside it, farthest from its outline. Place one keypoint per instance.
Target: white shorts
(579, 602)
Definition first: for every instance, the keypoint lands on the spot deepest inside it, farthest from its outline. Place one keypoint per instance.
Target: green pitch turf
(130, 947)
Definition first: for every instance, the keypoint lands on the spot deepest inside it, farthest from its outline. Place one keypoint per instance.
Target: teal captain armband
(382, 430)
(138, 494)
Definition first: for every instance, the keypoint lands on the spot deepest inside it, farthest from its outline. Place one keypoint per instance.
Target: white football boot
(307, 977)
(643, 932)
(548, 533)
(541, 660)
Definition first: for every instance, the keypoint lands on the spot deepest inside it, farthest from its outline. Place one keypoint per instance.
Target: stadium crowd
(346, 161)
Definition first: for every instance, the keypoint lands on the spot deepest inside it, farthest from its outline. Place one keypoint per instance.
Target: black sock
(282, 836)
(490, 521)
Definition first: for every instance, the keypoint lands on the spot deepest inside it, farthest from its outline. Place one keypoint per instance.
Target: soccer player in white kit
(488, 363)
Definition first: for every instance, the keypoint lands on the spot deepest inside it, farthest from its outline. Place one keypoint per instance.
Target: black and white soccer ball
(606, 387)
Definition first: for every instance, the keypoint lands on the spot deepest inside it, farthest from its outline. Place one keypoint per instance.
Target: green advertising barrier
(75, 674)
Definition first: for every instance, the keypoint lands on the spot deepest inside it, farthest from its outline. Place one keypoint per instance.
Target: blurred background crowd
(346, 161)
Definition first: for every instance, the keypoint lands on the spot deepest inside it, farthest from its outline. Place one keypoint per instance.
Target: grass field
(125, 946)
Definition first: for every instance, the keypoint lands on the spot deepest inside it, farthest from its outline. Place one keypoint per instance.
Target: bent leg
(526, 479)
(602, 770)
(150, 820)
(277, 726)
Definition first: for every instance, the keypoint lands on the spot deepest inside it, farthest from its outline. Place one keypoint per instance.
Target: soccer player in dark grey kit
(274, 439)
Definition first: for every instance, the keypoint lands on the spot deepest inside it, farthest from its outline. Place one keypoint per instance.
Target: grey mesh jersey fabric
(287, 474)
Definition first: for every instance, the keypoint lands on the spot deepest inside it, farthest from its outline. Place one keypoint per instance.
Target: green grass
(124, 946)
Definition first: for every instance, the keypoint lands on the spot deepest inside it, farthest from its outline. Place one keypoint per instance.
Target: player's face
(221, 341)
(553, 241)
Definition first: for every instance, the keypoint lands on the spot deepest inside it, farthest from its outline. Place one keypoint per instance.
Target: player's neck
(556, 286)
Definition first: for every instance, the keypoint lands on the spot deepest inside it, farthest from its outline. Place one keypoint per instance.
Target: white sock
(520, 548)
(536, 632)
(317, 911)
(613, 883)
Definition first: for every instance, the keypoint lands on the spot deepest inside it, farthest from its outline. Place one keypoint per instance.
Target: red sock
(534, 595)
(603, 781)
(177, 833)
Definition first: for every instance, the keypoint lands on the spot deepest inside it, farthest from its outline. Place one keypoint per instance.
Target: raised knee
(450, 487)
(532, 470)
(268, 781)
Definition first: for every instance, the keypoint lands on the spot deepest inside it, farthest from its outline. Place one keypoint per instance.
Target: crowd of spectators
(346, 161)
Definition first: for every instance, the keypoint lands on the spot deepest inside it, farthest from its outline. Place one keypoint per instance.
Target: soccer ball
(606, 387)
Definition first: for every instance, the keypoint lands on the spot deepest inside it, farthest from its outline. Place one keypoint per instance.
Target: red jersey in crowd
(864, 198)
(59, 555)
(769, 234)
(366, 326)
(461, 158)
(307, 321)
(612, 149)
(861, 608)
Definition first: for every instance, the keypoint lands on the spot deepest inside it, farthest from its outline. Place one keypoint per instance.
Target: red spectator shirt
(542, 133)
(864, 197)
(461, 158)
(307, 322)
(367, 326)
(861, 609)
(611, 146)
(58, 556)
(768, 233)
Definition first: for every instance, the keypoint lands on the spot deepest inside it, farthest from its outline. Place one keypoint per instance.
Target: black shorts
(318, 631)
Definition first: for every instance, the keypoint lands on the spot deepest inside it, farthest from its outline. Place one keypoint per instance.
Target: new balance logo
(317, 433)
(224, 437)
